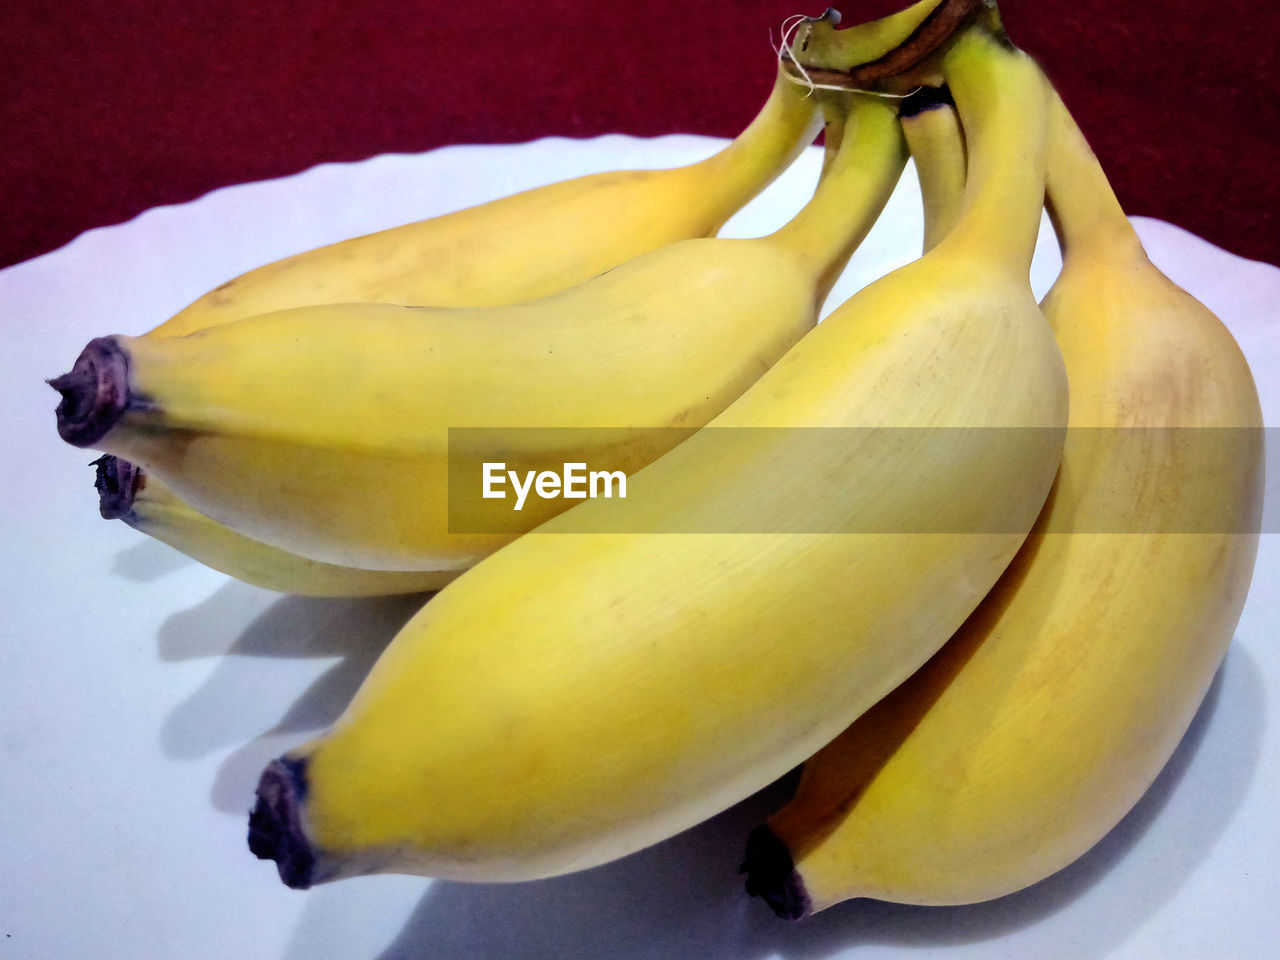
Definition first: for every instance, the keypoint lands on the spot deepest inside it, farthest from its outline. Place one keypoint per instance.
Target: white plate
(140, 694)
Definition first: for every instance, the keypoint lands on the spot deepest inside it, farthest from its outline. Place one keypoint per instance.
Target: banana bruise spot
(94, 394)
(275, 823)
(926, 98)
(935, 30)
(771, 875)
(117, 482)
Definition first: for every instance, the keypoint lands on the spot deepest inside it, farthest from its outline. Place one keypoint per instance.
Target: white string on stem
(790, 66)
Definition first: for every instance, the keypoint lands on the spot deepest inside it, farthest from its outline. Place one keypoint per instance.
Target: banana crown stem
(868, 53)
(1002, 99)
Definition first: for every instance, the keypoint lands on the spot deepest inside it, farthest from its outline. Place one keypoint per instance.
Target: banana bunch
(513, 249)
(587, 691)
(1048, 714)
(332, 430)
(883, 546)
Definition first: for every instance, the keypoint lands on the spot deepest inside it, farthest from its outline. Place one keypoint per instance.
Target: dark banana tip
(771, 875)
(275, 823)
(925, 98)
(117, 482)
(94, 394)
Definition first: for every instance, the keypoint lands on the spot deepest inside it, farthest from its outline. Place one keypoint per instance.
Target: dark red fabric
(107, 109)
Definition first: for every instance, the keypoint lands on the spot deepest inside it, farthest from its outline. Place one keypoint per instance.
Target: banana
(529, 244)
(127, 493)
(1043, 721)
(326, 430)
(587, 691)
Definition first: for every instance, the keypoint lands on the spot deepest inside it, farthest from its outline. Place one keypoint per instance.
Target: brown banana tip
(117, 482)
(275, 823)
(771, 875)
(94, 394)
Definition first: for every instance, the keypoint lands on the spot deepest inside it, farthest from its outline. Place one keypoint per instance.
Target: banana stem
(853, 190)
(863, 55)
(1083, 207)
(936, 141)
(1001, 96)
(786, 124)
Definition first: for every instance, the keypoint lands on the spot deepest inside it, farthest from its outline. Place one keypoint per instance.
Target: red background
(110, 108)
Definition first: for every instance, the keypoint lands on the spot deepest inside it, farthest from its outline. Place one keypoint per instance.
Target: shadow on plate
(264, 695)
(147, 561)
(684, 897)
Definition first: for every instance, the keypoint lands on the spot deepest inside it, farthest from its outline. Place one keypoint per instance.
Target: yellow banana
(1042, 722)
(529, 244)
(583, 693)
(127, 493)
(325, 430)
